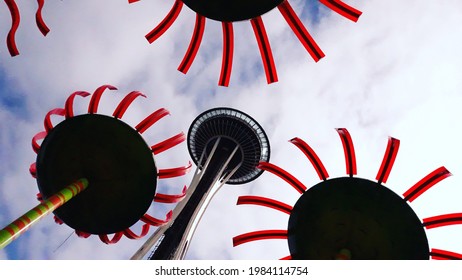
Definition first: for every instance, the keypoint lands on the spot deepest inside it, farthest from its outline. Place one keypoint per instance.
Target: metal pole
(23, 223)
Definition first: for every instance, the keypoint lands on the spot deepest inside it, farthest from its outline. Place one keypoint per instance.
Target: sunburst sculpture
(351, 217)
(228, 12)
(116, 161)
(15, 20)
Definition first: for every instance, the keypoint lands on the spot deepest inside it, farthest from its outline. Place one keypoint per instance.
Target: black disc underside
(359, 216)
(116, 161)
(232, 10)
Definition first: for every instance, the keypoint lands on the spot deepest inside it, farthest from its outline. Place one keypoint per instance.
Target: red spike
(39, 136)
(132, 1)
(125, 103)
(39, 19)
(47, 122)
(388, 160)
(156, 222)
(15, 18)
(94, 101)
(69, 107)
(115, 238)
(33, 170)
(263, 201)
(39, 197)
(259, 235)
(169, 143)
(350, 157)
(312, 156)
(194, 44)
(151, 119)
(265, 49)
(289, 257)
(166, 22)
(228, 50)
(343, 9)
(174, 172)
(169, 198)
(442, 220)
(300, 31)
(438, 254)
(426, 183)
(131, 235)
(281, 173)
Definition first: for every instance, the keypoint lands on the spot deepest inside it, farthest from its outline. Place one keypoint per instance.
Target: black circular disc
(357, 217)
(232, 10)
(116, 161)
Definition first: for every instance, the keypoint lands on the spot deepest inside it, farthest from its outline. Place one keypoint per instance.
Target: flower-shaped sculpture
(228, 12)
(350, 217)
(114, 158)
(15, 19)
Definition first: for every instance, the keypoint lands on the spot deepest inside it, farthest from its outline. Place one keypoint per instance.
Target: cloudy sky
(396, 72)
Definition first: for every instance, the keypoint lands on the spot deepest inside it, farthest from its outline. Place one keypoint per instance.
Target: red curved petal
(47, 122)
(350, 157)
(170, 198)
(15, 18)
(115, 238)
(169, 143)
(39, 136)
(281, 173)
(82, 234)
(69, 107)
(442, 220)
(125, 103)
(156, 222)
(39, 197)
(259, 235)
(388, 160)
(289, 257)
(33, 170)
(426, 183)
(131, 235)
(151, 119)
(300, 31)
(194, 44)
(265, 50)
(166, 22)
(39, 19)
(438, 254)
(94, 101)
(266, 202)
(58, 220)
(174, 172)
(343, 9)
(312, 156)
(228, 50)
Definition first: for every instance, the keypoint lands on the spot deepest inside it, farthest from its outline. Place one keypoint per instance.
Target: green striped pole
(20, 225)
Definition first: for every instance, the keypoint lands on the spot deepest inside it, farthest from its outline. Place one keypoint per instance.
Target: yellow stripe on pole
(23, 223)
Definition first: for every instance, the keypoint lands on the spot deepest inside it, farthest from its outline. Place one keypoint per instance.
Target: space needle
(226, 145)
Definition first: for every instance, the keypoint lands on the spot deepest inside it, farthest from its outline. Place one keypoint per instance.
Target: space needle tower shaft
(205, 185)
(226, 146)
